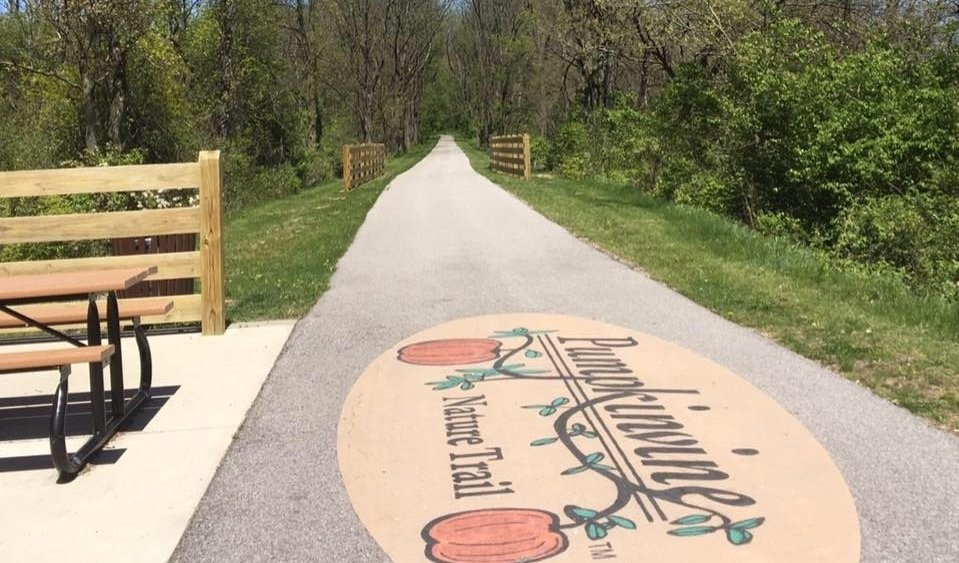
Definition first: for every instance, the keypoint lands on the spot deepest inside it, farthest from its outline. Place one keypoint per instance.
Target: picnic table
(25, 302)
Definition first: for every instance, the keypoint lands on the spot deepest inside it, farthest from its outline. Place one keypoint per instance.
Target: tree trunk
(118, 97)
(484, 134)
(317, 117)
(366, 122)
(410, 132)
(226, 17)
(89, 106)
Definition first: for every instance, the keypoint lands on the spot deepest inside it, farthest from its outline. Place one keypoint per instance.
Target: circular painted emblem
(521, 438)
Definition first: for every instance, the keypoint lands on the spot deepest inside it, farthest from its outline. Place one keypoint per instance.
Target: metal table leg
(116, 363)
(96, 370)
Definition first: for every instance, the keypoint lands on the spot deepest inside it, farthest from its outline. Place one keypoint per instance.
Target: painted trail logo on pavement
(522, 438)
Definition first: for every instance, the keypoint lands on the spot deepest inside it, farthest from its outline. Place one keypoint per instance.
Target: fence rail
(205, 219)
(362, 163)
(510, 154)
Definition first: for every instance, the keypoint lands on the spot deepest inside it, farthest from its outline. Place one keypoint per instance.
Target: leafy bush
(246, 183)
(857, 152)
(541, 152)
(781, 225)
(707, 190)
(571, 149)
(917, 234)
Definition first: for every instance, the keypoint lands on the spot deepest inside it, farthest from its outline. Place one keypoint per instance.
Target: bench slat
(77, 312)
(40, 359)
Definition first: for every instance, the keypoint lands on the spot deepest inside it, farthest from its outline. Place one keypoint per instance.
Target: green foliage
(855, 152)
(918, 234)
(166, 80)
(572, 150)
(541, 150)
(248, 183)
(162, 122)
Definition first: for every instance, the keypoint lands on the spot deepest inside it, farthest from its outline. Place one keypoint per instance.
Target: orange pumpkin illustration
(450, 352)
(496, 535)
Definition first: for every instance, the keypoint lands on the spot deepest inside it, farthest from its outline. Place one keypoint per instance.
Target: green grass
(281, 254)
(866, 325)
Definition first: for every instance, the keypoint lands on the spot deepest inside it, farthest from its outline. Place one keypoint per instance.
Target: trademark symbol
(602, 551)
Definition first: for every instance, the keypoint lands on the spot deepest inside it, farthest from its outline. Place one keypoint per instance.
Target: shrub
(917, 234)
(781, 225)
(541, 153)
(707, 190)
(247, 183)
(571, 149)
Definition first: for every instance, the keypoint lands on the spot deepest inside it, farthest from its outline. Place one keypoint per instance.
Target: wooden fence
(205, 219)
(362, 163)
(510, 154)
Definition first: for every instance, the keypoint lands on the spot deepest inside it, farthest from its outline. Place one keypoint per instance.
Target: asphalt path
(443, 242)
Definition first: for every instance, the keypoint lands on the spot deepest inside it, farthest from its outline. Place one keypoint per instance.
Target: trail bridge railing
(510, 154)
(205, 219)
(362, 163)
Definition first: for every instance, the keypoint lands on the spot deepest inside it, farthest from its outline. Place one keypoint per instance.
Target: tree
(489, 53)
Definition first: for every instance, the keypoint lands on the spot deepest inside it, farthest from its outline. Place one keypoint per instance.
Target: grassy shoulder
(867, 326)
(281, 254)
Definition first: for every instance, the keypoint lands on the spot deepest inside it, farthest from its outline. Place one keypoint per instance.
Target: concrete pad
(133, 503)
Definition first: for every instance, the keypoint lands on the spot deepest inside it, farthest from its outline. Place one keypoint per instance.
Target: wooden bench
(62, 359)
(76, 313)
(25, 302)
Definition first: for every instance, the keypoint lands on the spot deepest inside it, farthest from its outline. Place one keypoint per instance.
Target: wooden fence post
(212, 295)
(527, 158)
(347, 168)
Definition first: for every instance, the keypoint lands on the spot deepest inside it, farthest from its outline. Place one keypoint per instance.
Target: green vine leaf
(550, 409)
(692, 531)
(575, 470)
(623, 522)
(691, 519)
(595, 531)
(738, 537)
(451, 381)
(748, 524)
(533, 353)
(466, 386)
(542, 442)
(578, 429)
(594, 458)
(591, 462)
(519, 331)
(583, 513)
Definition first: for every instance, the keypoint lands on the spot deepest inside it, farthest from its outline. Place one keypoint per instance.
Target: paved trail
(442, 243)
